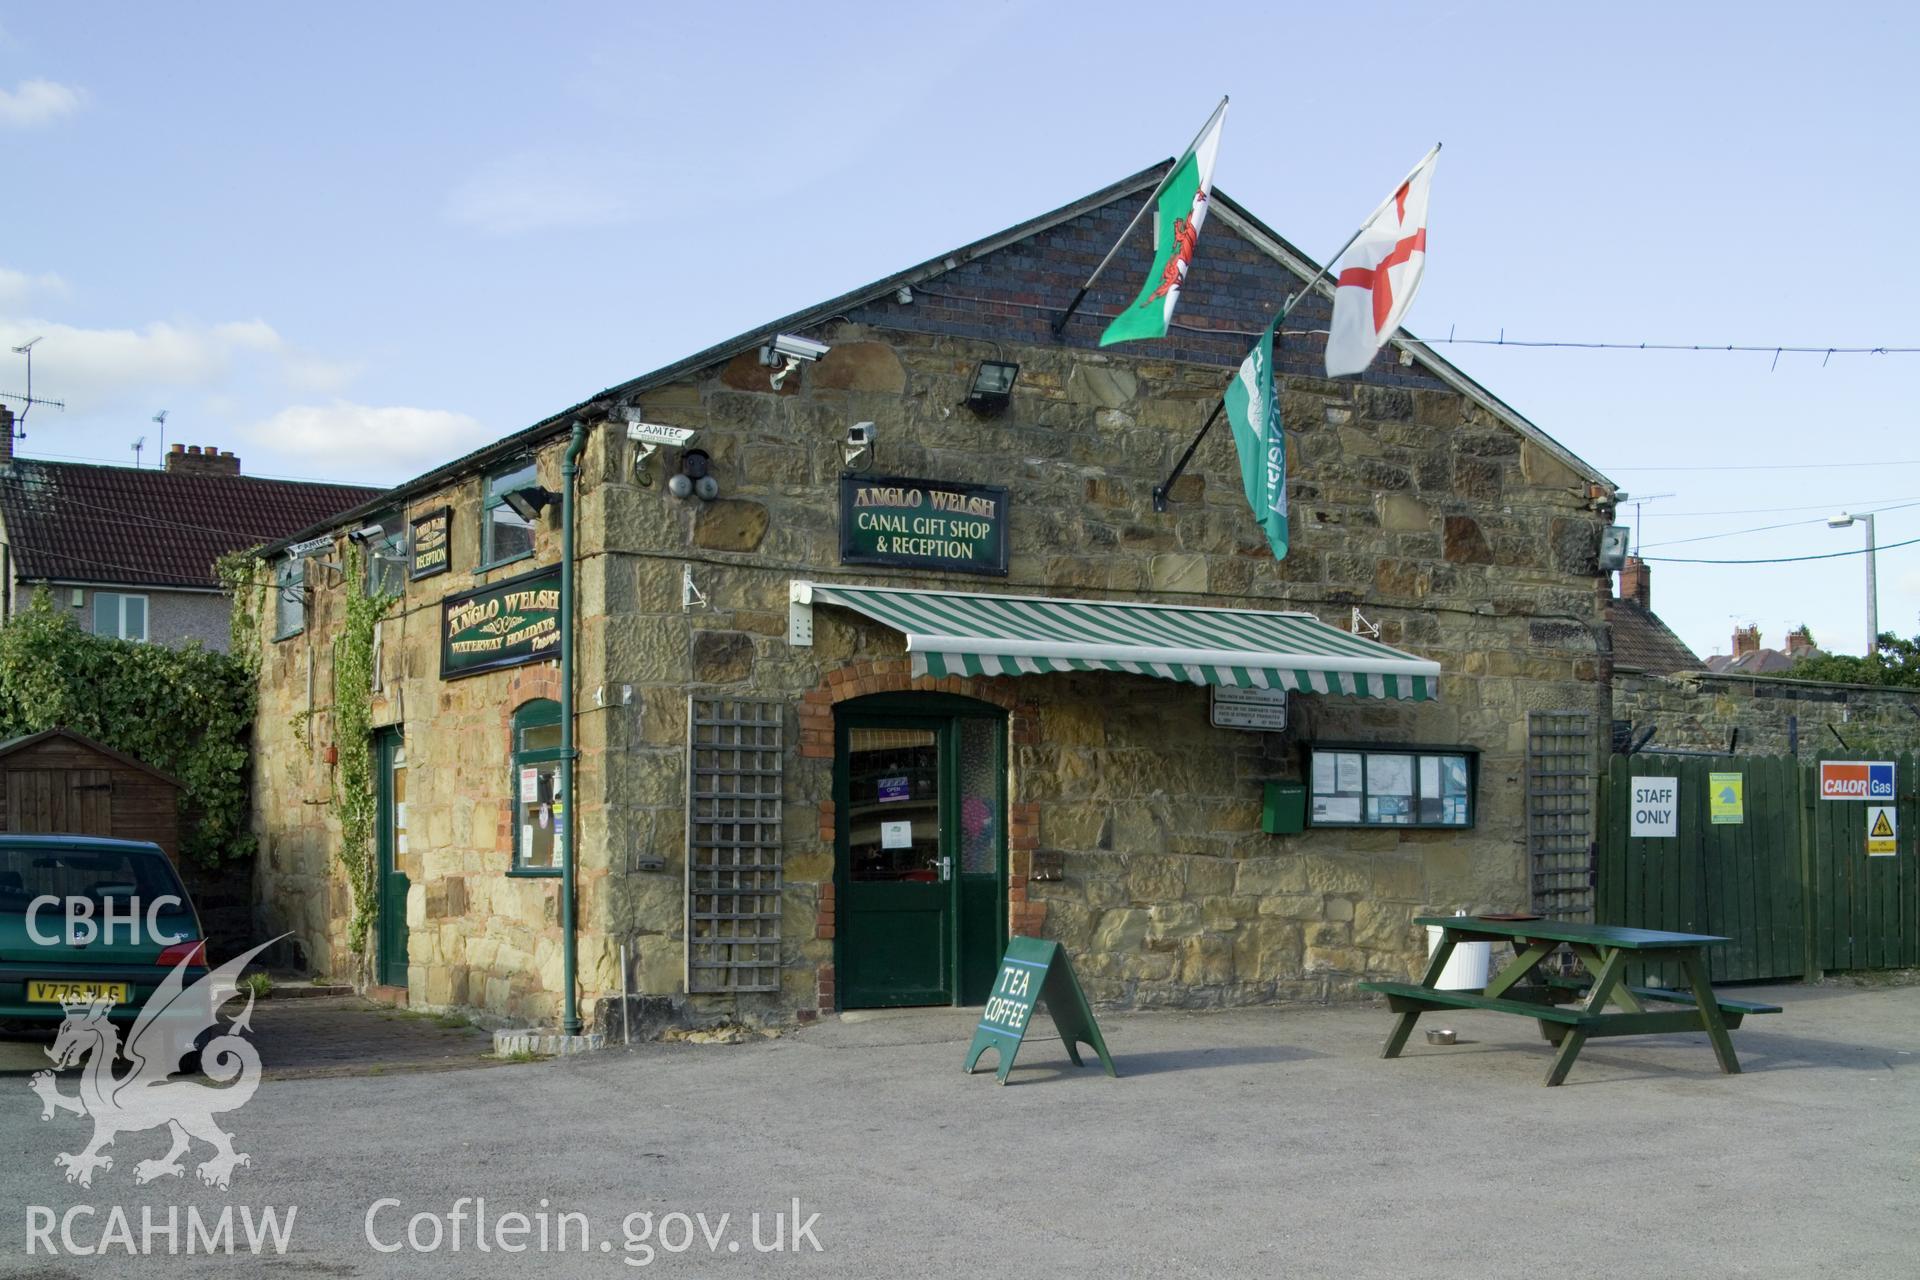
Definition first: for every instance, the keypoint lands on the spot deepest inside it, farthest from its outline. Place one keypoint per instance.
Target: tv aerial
(28, 400)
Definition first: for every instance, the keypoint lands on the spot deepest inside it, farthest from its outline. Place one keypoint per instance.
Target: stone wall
(1699, 711)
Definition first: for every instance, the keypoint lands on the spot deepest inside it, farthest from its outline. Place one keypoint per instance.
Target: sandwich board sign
(1032, 970)
(1883, 831)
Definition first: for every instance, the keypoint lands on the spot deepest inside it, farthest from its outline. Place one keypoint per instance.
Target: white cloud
(18, 288)
(539, 191)
(36, 102)
(101, 368)
(385, 443)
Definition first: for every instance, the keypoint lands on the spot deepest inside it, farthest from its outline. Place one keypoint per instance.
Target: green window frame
(386, 556)
(1351, 784)
(289, 598)
(505, 536)
(539, 804)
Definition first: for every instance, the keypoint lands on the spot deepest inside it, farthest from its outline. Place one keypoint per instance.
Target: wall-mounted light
(992, 387)
(529, 502)
(857, 453)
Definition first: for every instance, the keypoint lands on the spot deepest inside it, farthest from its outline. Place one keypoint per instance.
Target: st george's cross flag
(1379, 273)
(1178, 214)
(1253, 407)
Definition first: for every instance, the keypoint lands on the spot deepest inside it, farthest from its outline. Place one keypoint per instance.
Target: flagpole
(1165, 178)
(1161, 490)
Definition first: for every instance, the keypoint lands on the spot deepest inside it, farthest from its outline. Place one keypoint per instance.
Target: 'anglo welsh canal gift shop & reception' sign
(501, 625)
(923, 524)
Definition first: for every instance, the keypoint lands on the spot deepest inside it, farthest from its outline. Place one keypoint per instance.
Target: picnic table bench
(1604, 951)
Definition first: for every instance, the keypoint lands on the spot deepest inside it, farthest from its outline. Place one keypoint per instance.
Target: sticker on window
(892, 789)
(896, 835)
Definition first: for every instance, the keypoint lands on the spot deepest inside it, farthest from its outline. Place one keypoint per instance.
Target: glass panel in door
(898, 915)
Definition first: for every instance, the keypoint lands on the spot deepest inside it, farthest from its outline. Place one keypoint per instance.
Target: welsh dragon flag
(1253, 407)
(1177, 217)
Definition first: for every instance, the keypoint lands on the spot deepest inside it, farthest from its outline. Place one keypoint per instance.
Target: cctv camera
(860, 435)
(368, 533)
(791, 346)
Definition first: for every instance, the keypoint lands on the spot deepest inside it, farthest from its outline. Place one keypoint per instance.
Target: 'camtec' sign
(1857, 780)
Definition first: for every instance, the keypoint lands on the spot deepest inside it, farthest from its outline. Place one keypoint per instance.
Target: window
(539, 806)
(1354, 786)
(289, 598)
(504, 533)
(387, 557)
(121, 616)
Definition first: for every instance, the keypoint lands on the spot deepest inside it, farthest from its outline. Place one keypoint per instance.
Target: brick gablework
(893, 675)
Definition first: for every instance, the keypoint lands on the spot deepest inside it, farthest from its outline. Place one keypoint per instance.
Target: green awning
(967, 633)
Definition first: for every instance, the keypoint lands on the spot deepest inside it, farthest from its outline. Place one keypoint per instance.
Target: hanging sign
(1726, 798)
(1883, 831)
(1656, 808)
(923, 524)
(1264, 710)
(502, 624)
(1031, 970)
(1870, 780)
(428, 543)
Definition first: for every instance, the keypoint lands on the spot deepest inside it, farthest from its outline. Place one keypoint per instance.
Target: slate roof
(1009, 286)
(1641, 642)
(83, 522)
(1760, 662)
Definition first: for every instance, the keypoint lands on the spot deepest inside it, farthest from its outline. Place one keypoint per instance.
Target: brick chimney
(195, 460)
(1636, 583)
(1746, 640)
(1799, 641)
(6, 438)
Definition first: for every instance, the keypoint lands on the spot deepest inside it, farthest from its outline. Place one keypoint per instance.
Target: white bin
(1466, 968)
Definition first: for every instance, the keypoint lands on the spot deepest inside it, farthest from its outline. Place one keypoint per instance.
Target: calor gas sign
(1857, 780)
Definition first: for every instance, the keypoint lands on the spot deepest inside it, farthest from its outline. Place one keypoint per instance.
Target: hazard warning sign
(1882, 831)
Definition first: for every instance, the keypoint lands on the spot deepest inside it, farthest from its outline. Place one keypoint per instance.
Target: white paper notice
(1323, 775)
(896, 835)
(1336, 808)
(1389, 775)
(530, 785)
(1347, 775)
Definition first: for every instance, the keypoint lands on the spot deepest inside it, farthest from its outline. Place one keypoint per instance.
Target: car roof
(103, 843)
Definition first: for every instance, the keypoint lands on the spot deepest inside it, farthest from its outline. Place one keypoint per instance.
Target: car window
(103, 875)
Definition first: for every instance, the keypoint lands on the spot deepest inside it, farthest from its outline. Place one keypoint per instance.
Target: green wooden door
(390, 842)
(920, 842)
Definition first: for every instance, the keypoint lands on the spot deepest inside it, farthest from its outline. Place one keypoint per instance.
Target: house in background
(1641, 642)
(131, 551)
(1749, 659)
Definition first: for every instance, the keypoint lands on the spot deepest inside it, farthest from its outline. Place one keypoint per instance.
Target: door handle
(946, 867)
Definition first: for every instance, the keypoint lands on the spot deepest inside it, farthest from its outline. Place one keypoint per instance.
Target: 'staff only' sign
(923, 524)
(1656, 807)
(1857, 780)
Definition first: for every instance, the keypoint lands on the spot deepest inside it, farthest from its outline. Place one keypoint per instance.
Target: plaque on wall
(502, 624)
(923, 524)
(428, 543)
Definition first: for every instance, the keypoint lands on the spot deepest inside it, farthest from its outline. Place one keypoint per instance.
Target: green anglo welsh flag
(1177, 217)
(1253, 407)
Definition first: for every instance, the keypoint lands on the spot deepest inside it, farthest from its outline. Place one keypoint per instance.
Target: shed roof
(26, 740)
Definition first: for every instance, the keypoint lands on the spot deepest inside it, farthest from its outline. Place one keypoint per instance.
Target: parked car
(84, 917)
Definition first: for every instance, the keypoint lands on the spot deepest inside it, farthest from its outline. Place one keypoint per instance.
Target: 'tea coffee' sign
(1857, 780)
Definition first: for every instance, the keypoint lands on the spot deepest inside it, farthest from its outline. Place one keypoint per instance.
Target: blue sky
(352, 241)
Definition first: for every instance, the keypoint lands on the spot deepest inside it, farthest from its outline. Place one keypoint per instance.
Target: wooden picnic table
(1604, 951)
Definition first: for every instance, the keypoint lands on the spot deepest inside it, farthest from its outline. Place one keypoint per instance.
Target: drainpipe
(569, 946)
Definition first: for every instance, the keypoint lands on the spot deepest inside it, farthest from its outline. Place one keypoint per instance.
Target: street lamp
(1842, 521)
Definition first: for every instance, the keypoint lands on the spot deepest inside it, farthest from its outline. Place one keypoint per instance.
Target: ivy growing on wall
(246, 580)
(354, 803)
(187, 712)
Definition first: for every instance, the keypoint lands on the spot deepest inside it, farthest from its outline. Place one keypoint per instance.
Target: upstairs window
(386, 555)
(289, 598)
(123, 617)
(505, 534)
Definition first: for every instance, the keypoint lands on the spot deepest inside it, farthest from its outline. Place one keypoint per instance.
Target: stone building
(806, 778)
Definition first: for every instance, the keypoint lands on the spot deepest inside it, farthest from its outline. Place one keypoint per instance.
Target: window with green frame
(1390, 786)
(505, 534)
(539, 805)
(386, 556)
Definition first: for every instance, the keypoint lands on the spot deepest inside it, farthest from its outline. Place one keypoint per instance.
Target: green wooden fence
(1791, 884)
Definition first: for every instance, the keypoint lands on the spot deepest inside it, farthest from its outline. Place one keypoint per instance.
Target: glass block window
(734, 794)
(1353, 786)
(505, 534)
(123, 617)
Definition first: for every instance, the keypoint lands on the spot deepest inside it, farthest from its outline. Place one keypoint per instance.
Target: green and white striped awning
(964, 633)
